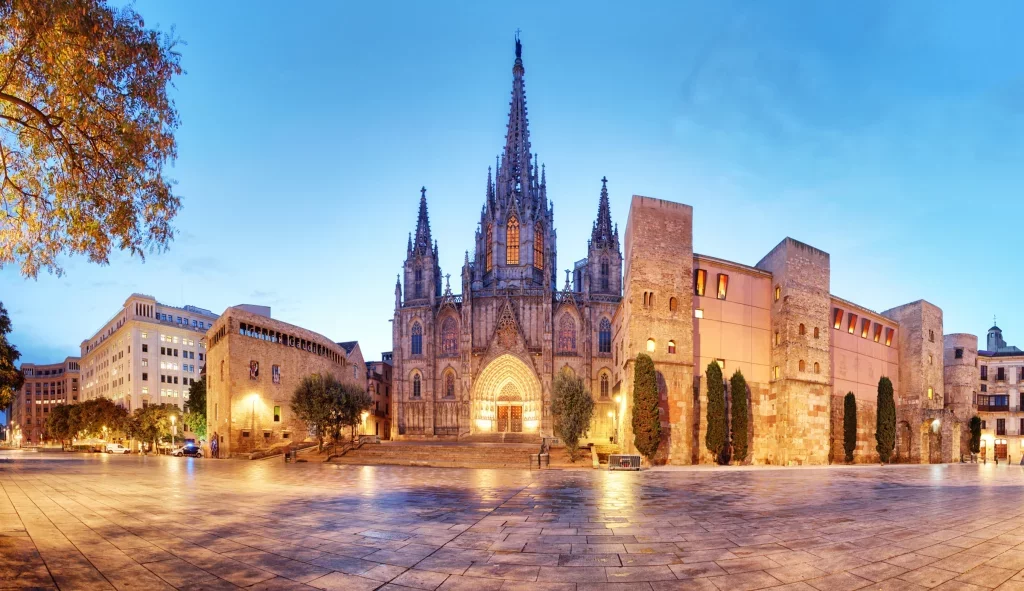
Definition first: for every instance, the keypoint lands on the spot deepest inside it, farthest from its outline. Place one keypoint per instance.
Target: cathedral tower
(422, 271)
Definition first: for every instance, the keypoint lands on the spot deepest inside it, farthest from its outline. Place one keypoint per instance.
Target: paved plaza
(101, 522)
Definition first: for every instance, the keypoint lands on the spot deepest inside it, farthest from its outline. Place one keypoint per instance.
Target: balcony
(995, 408)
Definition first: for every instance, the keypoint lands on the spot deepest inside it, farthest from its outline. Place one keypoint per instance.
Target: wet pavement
(78, 521)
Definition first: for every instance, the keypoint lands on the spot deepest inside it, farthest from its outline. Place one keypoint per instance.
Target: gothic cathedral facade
(480, 364)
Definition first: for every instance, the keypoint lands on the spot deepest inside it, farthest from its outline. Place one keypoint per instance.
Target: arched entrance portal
(507, 398)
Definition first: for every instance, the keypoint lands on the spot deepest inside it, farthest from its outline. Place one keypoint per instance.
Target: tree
(101, 418)
(86, 128)
(195, 408)
(353, 401)
(646, 411)
(738, 387)
(849, 425)
(11, 378)
(315, 402)
(715, 436)
(152, 423)
(62, 423)
(572, 408)
(975, 426)
(885, 426)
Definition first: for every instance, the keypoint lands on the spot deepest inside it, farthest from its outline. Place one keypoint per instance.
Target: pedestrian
(214, 445)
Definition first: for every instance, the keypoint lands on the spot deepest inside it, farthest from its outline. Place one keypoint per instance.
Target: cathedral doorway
(506, 398)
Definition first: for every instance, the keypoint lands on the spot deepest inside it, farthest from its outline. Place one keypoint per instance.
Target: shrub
(715, 436)
(849, 425)
(885, 426)
(975, 425)
(738, 389)
(646, 412)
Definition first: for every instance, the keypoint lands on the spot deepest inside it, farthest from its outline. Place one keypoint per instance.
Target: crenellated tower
(515, 242)
(422, 270)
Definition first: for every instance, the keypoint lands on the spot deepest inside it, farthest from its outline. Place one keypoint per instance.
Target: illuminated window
(837, 318)
(801, 329)
(672, 304)
(489, 248)
(888, 337)
(567, 334)
(604, 385)
(700, 282)
(605, 337)
(723, 285)
(778, 293)
(512, 242)
(801, 365)
(449, 337)
(851, 322)
(538, 246)
(277, 414)
(721, 363)
(878, 332)
(698, 313)
(416, 386)
(929, 393)
(817, 368)
(865, 328)
(778, 338)
(775, 372)
(417, 339)
(650, 345)
(672, 347)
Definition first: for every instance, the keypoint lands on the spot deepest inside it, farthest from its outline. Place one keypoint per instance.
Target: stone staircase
(531, 438)
(442, 454)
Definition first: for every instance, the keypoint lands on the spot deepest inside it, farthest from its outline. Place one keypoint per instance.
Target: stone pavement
(100, 522)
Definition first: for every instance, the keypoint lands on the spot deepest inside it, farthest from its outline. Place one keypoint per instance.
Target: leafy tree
(10, 376)
(316, 403)
(97, 413)
(738, 387)
(152, 423)
(62, 423)
(975, 426)
(572, 408)
(885, 426)
(716, 433)
(646, 411)
(86, 128)
(195, 408)
(849, 425)
(353, 400)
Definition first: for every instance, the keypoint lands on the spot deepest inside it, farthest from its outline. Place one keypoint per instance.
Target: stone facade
(254, 365)
(45, 387)
(996, 394)
(378, 384)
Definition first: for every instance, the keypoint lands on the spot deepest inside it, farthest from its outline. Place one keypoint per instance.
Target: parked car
(116, 448)
(189, 449)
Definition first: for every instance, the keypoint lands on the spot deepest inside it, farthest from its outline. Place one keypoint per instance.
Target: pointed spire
(603, 232)
(423, 241)
(515, 169)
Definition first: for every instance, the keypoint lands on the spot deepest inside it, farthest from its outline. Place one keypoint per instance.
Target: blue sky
(890, 135)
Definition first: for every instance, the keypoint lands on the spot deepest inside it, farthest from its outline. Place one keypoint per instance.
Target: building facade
(998, 378)
(481, 363)
(255, 364)
(378, 384)
(148, 353)
(45, 387)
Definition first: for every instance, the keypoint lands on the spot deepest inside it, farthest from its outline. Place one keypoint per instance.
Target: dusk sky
(888, 134)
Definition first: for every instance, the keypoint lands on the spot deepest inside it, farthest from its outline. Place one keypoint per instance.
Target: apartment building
(147, 353)
(378, 384)
(45, 387)
(999, 404)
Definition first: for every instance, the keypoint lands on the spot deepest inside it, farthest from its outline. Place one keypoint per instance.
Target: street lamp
(173, 419)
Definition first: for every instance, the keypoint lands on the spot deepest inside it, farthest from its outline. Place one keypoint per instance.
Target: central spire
(516, 161)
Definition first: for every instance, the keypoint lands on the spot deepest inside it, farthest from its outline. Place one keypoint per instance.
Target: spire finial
(519, 46)
(567, 272)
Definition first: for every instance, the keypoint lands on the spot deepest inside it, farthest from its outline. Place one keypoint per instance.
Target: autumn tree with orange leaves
(86, 128)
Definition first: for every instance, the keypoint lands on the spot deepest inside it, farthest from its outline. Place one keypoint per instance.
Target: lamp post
(615, 415)
(173, 419)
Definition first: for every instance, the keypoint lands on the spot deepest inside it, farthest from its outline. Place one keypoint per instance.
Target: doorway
(510, 418)
(1000, 449)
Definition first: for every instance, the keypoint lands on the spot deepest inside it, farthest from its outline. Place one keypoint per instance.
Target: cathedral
(481, 362)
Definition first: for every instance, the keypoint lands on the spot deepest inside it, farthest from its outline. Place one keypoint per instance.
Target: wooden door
(503, 418)
(1000, 446)
(517, 419)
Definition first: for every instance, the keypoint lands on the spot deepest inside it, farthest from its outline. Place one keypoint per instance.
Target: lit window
(512, 242)
(888, 337)
(721, 363)
(566, 334)
(489, 248)
(865, 327)
(837, 318)
(449, 337)
(778, 293)
(929, 393)
(277, 414)
(851, 322)
(778, 338)
(604, 385)
(700, 282)
(538, 246)
(878, 332)
(145, 335)
(672, 347)
(723, 285)
(698, 313)
(775, 372)
(650, 345)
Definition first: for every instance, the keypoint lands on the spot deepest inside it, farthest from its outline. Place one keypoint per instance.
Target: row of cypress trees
(717, 438)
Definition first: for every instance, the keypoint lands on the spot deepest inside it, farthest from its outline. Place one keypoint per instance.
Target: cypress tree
(646, 417)
(885, 426)
(975, 443)
(738, 387)
(715, 436)
(849, 425)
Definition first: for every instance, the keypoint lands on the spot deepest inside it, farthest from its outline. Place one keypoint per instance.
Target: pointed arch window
(538, 246)
(604, 337)
(604, 385)
(418, 280)
(417, 339)
(489, 248)
(449, 384)
(416, 392)
(449, 337)
(567, 334)
(604, 272)
(512, 242)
